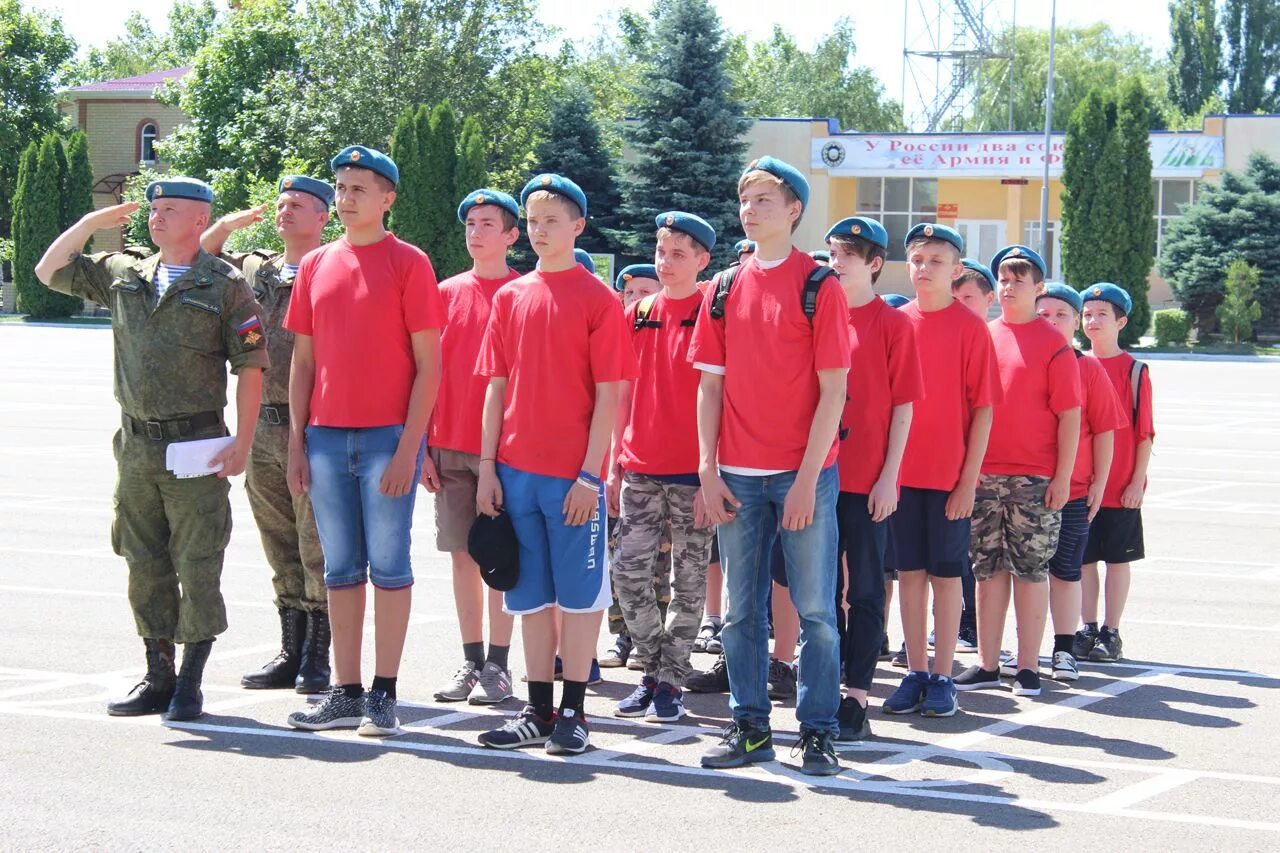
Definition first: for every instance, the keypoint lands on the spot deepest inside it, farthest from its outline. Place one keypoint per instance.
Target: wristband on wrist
(589, 477)
(586, 484)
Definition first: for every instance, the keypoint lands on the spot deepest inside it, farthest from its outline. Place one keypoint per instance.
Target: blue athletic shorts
(1072, 539)
(923, 536)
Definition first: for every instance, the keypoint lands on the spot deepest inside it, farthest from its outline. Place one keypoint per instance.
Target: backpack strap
(721, 284)
(643, 310)
(1135, 384)
(812, 284)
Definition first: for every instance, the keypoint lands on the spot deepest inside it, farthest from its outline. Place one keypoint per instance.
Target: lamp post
(1048, 136)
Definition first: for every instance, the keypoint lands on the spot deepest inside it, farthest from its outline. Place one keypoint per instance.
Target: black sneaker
(1109, 649)
(899, 659)
(1086, 638)
(740, 744)
(1026, 683)
(819, 753)
(853, 721)
(782, 681)
(570, 736)
(967, 639)
(885, 651)
(714, 680)
(524, 729)
(977, 678)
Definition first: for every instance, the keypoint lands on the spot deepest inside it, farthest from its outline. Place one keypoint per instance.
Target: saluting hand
(243, 218)
(114, 216)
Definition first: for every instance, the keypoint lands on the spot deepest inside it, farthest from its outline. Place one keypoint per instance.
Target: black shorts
(923, 536)
(1072, 539)
(1115, 536)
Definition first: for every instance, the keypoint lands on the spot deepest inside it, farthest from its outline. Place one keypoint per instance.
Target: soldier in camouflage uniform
(285, 522)
(178, 318)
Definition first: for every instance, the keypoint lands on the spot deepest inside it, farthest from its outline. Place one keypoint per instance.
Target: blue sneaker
(910, 693)
(595, 677)
(668, 704)
(940, 698)
(637, 704)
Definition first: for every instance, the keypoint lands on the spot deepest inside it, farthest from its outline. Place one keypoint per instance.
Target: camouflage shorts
(1013, 530)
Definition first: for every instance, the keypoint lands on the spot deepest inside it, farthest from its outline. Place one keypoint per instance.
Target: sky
(878, 26)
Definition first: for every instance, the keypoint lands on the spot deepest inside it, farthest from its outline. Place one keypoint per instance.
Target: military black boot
(281, 671)
(153, 692)
(313, 675)
(188, 701)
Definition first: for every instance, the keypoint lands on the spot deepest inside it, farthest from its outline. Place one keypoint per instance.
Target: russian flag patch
(250, 331)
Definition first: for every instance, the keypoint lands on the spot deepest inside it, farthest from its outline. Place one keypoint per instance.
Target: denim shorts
(364, 533)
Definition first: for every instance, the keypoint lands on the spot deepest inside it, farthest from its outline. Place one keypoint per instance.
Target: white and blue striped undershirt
(167, 274)
(290, 272)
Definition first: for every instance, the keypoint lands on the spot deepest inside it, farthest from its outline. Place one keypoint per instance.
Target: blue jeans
(811, 559)
(363, 532)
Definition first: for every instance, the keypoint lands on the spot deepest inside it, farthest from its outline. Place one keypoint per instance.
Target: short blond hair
(760, 176)
(548, 195)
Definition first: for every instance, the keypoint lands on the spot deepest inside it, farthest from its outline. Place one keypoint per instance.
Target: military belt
(274, 414)
(172, 429)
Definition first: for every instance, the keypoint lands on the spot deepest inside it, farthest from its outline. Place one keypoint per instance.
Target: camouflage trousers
(285, 523)
(1012, 529)
(172, 534)
(661, 578)
(662, 645)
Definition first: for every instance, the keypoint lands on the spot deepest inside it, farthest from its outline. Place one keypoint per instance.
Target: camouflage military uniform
(285, 523)
(171, 383)
(649, 505)
(1012, 529)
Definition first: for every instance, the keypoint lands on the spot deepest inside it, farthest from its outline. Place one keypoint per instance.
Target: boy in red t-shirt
(975, 287)
(884, 383)
(555, 354)
(949, 429)
(1115, 537)
(451, 470)
(1100, 417)
(1026, 473)
(774, 356)
(366, 318)
(654, 483)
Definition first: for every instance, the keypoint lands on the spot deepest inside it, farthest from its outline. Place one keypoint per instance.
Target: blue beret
(934, 231)
(367, 158)
(980, 267)
(488, 196)
(744, 246)
(784, 172)
(695, 226)
(635, 271)
(860, 226)
(557, 184)
(1108, 292)
(310, 186)
(188, 188)
(1025, 253)
(896, 300)
(583, 257)
(1065, 292)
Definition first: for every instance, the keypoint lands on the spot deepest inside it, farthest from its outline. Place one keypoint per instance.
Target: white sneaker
(492, 687)
(1064, 667)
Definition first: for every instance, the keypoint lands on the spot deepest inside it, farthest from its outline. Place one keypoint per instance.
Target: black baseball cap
(491, 542)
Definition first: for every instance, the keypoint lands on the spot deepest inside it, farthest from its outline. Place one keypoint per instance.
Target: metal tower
(945, 42)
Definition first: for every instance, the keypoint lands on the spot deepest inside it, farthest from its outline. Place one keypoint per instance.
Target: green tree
(439, 151)
(1087, 132)
(33, 49)
(1253, 54)
(25, 254)
(473, 157)
(1195, 56)
(1239, 311)
(777, 78)
(77, 192)
(408, 219)
(1135, 254)
(39, 213)
(688, 136)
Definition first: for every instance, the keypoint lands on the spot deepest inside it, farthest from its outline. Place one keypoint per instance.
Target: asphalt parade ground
(1175, 748)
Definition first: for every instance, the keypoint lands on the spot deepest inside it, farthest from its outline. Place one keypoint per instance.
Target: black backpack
(808, 297)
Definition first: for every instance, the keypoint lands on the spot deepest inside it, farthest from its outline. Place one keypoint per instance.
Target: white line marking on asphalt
(1131, 795)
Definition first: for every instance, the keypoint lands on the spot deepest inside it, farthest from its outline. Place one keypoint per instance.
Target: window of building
(899, 203)
(1052, 252)
(1172, 195)
(147, 135)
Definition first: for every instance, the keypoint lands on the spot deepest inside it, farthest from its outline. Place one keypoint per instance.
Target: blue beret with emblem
(310, 186)
(583, 257)
(635, 271)
(1024, 253)
(860, 226)
(695, 226)
(1065, 292)
(784, 172)
(896, 300)
(188, 188)
(558, 184)
(496, 198)
(1108, 292)
(982, 269)
(744, 246)
(367, 158)
(934, 231)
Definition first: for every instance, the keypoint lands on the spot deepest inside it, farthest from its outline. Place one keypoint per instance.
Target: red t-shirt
(359, 305)
(662, 430)
(884, 371)
(1040, 380)
(957, 364)
(1100, 412)
(555, 336)
(455, 424)
(1128, 436)
(770, 353)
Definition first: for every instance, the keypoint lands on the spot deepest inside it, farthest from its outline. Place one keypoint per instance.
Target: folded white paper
(191, 458)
